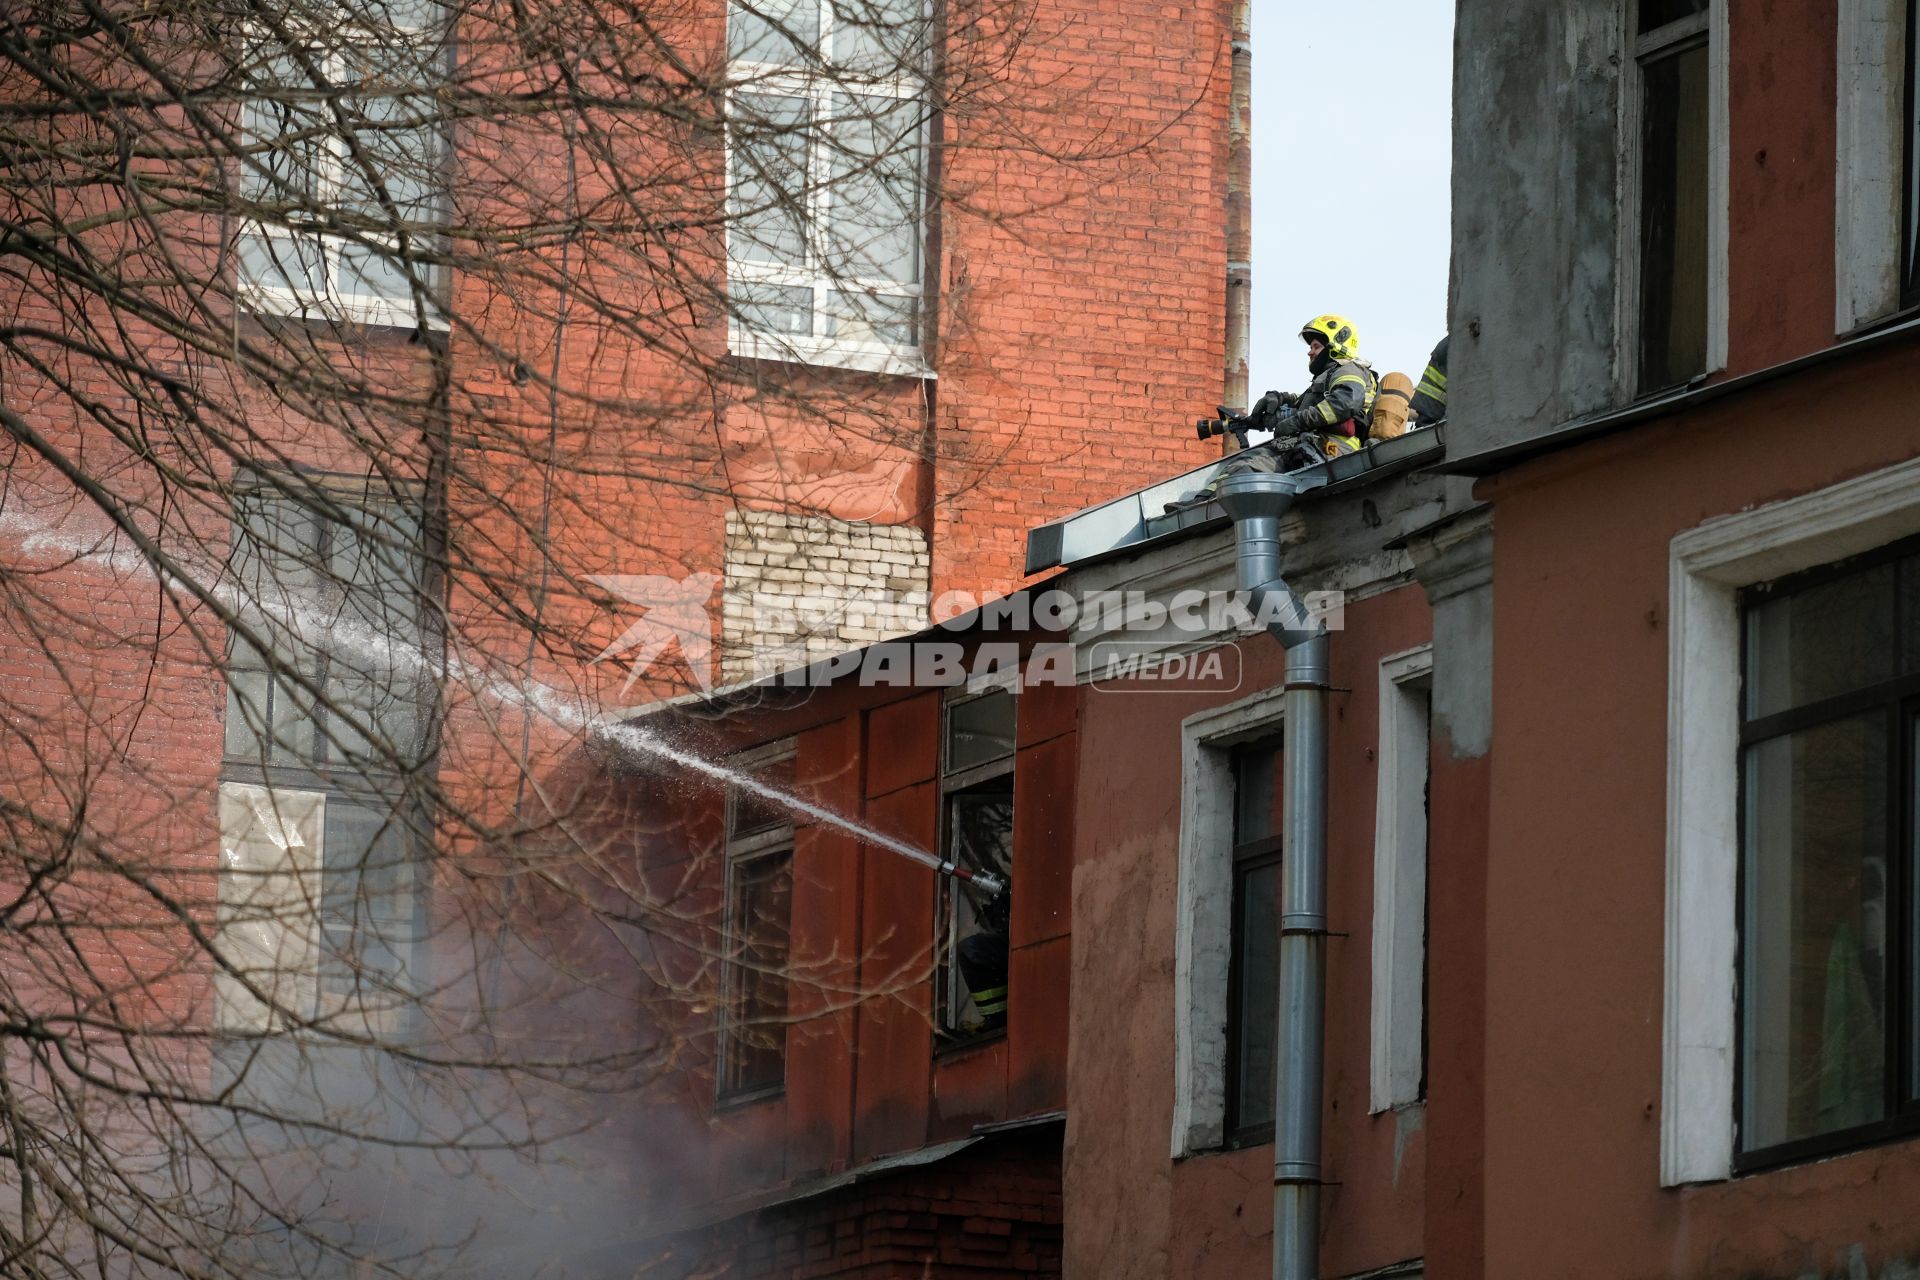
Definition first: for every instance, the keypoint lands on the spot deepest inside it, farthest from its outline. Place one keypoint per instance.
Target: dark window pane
(980, 825)
(1909, 573)
(753, 812)
(1913, 914)
(1673, 219)
(759, 906)
(1820, 641)
(1655, 14)
(1256, 791)
(1256, 1011)
(973, 928)
(1813, 931)
(979, 730)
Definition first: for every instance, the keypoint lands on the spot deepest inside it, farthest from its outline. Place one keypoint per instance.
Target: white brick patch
(800, 588)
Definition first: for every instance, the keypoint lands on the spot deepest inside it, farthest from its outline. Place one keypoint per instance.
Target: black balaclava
(1321, 363)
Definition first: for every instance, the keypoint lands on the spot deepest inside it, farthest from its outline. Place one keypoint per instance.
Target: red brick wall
(991, 1212)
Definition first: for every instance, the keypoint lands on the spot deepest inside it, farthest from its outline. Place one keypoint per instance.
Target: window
(1206, 992)
(827, 141)
(1671, 321)
(1254, 972)
(327, 732)
(1399, 1039)
(1830, 724)
(759, 901)
(344, 216)
(1710, 566)
(976, 832)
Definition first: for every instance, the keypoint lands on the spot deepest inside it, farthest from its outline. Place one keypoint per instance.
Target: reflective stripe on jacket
(1430, 397)
(1339, 401)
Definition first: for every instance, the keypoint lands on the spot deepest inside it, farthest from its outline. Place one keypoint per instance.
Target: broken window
(759, 903)
(1253, 974)
(327, 732)
(976, 832)
(827, 140)
(1671, 50)
(1830, 746)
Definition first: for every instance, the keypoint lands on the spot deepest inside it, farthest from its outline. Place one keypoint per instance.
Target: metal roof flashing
(1127, 524)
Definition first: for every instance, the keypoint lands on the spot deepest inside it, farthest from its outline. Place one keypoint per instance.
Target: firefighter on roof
(1336, 404)
(1326, 420)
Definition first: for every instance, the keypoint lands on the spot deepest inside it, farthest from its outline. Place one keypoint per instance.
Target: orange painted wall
(1131, 1209)
(1576, 860)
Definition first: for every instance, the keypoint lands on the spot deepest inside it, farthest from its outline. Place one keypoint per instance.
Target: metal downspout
(1257, 501)
(1233, 387)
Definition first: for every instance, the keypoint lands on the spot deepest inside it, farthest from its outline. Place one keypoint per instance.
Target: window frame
(1247, 857)
(1638, 51)
(331, 183)
(1203, 924)
(1707, 566)
(765, 844)
(947, 988)
(1899, 699)
(1402, 809)
(817, 86)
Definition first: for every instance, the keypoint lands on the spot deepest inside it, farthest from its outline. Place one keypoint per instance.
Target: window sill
(271, 307)
(1868, 327)
(1827, 1146)
(746, 1099)
(827, 353)
(947, 1047)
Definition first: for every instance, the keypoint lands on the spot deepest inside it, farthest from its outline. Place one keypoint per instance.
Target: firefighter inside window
(977, 786)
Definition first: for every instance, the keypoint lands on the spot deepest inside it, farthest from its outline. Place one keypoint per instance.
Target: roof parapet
(1139, 519)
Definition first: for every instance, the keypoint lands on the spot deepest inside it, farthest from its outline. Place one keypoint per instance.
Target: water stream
(383, 651)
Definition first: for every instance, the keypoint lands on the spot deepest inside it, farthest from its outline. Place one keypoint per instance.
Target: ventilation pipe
(1257, 501)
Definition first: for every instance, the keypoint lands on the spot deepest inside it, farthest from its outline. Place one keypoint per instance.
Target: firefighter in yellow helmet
(1326, 420)
(1336, 404)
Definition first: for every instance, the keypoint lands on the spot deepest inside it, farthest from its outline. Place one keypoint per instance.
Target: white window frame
(1203, 923)
(1638, 48)
(1869, 161)
(750, 77)
(739, 849)
(1708, 566)
(1400, 881)
(334, 305)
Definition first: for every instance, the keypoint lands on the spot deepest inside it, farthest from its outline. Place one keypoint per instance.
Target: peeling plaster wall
(1534, 224)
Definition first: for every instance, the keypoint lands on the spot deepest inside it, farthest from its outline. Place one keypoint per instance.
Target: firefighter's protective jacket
(1430, 398)
(1339, 401)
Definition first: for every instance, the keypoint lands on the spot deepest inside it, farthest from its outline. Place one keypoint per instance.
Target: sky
(1352, 143)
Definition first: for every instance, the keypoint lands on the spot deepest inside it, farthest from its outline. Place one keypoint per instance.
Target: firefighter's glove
(1268, 409)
